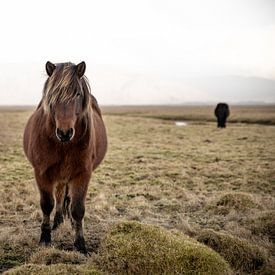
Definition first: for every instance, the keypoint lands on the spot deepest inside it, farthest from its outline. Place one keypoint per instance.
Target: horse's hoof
(45, 238)
(80, 246)
(82, 250)
(44, 244)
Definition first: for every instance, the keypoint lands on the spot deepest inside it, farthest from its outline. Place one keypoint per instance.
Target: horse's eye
(78, 95)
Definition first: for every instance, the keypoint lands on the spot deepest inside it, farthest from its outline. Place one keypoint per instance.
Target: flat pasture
(215, 186)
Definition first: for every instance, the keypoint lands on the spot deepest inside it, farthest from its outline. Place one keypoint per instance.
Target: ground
(183, 179)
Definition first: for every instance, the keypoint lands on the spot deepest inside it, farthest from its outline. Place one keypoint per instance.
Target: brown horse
(65, 140)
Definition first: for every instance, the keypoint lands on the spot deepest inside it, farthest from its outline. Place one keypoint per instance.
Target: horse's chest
(67, 167)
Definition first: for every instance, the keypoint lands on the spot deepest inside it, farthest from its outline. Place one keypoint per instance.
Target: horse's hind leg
(223, 122)
(60, 191)
(66, 205)
(78, 190)
(47, 204)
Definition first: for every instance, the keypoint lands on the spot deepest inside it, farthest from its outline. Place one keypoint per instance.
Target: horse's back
(222, 108)
(100, 135)
(27, 135)
(30, 132)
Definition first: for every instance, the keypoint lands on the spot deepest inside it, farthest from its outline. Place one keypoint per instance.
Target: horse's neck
(84, 127)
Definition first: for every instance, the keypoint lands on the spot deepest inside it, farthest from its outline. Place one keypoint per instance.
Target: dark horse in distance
(65, 140)
(222, 113)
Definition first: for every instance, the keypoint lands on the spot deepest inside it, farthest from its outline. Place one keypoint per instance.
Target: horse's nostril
(64, 135)
(59, 132)
(70, 132)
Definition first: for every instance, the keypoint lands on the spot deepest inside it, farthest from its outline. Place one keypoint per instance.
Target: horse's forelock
(64, 85)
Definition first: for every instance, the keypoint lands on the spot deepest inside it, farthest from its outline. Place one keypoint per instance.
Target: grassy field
(189, 191)
(264, 114)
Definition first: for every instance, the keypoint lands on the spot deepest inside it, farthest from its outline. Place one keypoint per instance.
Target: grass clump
(264, 225)
(52, 269)
(135, 248)
(49, 256)
(233, 201)
(11, 255)
(240, 254)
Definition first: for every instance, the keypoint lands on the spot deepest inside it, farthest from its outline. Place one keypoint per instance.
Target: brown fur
(65, 167)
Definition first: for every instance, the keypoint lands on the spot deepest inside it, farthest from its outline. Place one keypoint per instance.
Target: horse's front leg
(47, 205)
(78, 190)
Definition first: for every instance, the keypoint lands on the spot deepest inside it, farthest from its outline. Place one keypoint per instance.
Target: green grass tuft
(135, 248)
(56, 269)
(241, 254)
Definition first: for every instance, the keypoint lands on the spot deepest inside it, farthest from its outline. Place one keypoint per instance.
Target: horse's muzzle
(64, 135)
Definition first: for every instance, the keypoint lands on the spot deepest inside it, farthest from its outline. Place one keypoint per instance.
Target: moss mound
(135, 248)
(57, 269)
(241, 254)
(264, 225)
(237, 201)
(49, 256)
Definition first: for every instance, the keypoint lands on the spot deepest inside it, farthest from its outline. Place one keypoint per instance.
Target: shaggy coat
(222, 113)
(65, 140)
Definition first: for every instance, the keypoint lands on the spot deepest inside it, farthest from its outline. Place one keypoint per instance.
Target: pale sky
(137, 51)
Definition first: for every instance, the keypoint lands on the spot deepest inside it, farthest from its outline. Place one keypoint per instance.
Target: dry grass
(50, 256)
(264, 225)
(245, 114)
(186, 178)
(233, 201)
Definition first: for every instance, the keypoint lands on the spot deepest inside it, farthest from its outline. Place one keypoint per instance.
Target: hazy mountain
(21, 84)
(145, 89)
(237, 88)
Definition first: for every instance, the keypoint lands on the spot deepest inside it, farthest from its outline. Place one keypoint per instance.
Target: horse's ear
(80, 68)
(50, 67)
